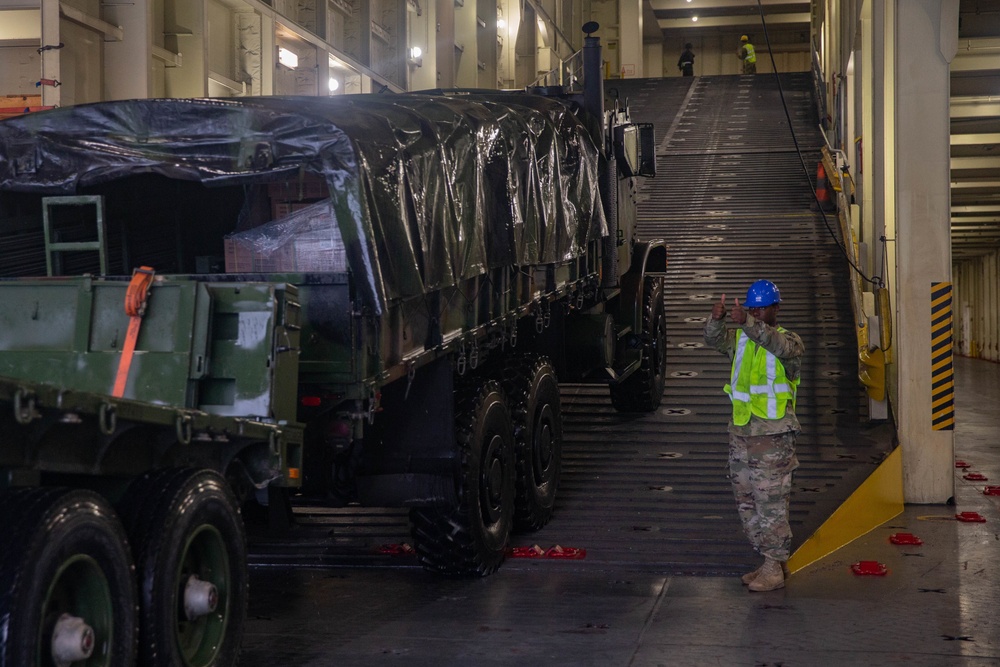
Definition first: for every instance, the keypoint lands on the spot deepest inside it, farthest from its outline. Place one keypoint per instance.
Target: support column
(445, 43)
(270, 49)
(653, 59)
(630, 38)
(128, 63)
(50, 59)
(869, 83)
(926, 40)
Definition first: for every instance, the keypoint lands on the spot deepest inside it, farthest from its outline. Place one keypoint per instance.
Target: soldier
(747, 55)
(686, 62)
(762, 388)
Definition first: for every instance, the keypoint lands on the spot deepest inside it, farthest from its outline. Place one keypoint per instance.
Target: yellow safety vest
(751, 56)
(758, 384)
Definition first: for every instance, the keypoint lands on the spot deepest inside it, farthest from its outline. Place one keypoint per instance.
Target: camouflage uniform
(762, 452)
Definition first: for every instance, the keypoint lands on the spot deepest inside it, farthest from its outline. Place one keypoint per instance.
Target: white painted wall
(977, 306)
(20, 71)
(716, 54)
(653, 59)
(630, 39)
(20, 23)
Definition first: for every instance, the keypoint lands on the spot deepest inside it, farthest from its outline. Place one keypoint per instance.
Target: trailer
(219, 308)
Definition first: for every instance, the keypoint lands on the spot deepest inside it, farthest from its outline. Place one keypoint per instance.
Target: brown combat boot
(750, 576)
(771, 577)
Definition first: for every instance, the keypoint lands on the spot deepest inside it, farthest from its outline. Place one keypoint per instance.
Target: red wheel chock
(535, 551)
(869, 568)
(396, 549)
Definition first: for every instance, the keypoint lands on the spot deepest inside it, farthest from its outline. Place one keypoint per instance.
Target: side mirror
(635, 149)
(627, 149)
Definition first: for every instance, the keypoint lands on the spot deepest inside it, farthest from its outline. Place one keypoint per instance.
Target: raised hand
(719, 309)
(737, 314)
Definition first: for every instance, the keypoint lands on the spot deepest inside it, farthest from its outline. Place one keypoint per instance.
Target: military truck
(218, 308)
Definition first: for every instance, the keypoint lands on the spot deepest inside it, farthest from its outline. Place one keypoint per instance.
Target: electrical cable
(874, 280)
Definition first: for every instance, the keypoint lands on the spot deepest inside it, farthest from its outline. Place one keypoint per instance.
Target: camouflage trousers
(760, 469)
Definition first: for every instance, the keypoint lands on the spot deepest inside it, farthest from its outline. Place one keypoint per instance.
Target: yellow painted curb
(878, 499)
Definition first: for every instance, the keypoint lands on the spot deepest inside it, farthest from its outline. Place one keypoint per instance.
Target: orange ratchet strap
(135, 307)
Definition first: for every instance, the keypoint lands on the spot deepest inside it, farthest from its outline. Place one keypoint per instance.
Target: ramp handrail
(569, 74)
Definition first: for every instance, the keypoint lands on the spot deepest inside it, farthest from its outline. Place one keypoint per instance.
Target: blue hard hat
(761, 294)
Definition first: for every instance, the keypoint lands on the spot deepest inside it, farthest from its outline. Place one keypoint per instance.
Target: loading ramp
(649, 492)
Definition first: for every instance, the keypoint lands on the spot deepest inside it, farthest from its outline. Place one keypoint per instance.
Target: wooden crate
(17, 105)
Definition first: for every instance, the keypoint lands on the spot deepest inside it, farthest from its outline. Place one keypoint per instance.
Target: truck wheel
(67, 585)
(643, 390)
(191, 557)
(471, 538)
(533, 394)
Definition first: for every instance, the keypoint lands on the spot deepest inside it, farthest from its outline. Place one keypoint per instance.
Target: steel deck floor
(937, 606)
(646, 495)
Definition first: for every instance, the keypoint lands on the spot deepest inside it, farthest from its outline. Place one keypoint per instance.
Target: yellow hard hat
(744, 38)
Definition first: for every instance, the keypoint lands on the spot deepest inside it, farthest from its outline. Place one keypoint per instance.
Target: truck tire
(643, 390)
(189, 541)
(533, 395)
(471, 538)
(65, 569)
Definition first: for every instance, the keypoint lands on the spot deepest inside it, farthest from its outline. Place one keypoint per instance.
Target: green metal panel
(230, 349)
(46, 428)
(329, 338)
(38, 316)
(70, 333)
(287, 348)
(238, 382)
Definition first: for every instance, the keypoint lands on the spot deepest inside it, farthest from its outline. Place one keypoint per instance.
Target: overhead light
(416, 52)
(501, 24)
(288, 58)
(694, 18)
(334, 84)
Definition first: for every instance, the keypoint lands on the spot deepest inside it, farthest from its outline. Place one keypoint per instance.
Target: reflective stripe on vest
(758, 384)
(751, 56)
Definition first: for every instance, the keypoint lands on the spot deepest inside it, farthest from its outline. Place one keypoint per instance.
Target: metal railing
(568, 74)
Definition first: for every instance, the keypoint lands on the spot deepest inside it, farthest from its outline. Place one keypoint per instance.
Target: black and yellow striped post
(942, 366)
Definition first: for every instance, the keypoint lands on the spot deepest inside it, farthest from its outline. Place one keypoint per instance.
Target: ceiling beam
(973, 51)
(752, 21)
(961, 184)
(994, 219)
(975, 162)
(974, 61)
(973, 209)
(684, 5)
(975, 139)
(975, 107)
(974, 239)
